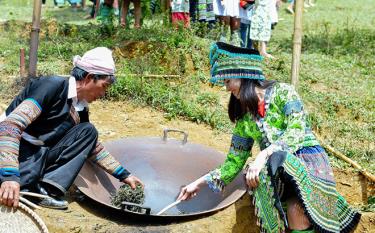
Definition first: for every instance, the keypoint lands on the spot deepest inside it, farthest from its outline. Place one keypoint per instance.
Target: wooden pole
(297, 41)
(22, 63)
(34, 41)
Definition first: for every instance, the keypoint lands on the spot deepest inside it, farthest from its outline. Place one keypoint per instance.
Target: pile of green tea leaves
(127, 194)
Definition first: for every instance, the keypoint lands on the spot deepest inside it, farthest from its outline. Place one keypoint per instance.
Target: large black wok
(164, 165)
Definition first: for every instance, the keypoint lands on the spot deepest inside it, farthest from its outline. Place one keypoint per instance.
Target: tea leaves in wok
(126, 193)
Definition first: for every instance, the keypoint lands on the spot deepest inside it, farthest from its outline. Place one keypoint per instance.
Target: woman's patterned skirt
(308, 176)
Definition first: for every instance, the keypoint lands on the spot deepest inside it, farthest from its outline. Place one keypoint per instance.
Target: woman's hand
(252, 174)
(191, 190)
(133, 181)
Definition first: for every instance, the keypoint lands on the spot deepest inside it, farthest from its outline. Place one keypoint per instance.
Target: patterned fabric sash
(326, 209)
(74, 114)
(268, 217)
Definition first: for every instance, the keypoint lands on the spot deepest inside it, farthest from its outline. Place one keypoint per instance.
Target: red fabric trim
(261, 108)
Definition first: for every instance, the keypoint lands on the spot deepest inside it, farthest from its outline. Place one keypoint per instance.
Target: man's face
(94, 89)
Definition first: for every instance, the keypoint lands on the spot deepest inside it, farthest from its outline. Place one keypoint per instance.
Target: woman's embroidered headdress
(228, 61)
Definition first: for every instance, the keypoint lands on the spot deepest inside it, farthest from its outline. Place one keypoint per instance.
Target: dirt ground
(121, 119)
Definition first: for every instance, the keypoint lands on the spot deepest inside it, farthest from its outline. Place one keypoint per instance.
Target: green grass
(23, 10)
(336, 77)
(16, 10)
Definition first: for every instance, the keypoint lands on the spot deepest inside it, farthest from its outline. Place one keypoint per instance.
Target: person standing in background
(180, 12)
(228, 12)
(137, 12)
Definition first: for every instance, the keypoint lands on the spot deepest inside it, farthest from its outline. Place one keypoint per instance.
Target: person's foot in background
(263, 50)
(290, 9)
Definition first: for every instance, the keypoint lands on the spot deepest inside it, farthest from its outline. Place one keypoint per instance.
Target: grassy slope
(336, 80)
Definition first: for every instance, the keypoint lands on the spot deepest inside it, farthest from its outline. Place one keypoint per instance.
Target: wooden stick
(34, 194)
(297, 41)
(168, 207)
(339, 155)
(29, 203)
(22, 63)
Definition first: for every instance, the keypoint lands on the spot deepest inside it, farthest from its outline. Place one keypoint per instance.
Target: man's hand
(10, 193)
(133, 181)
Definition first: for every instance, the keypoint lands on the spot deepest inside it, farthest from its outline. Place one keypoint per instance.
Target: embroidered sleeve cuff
(214, 182)
(121, 173)
(9, 174)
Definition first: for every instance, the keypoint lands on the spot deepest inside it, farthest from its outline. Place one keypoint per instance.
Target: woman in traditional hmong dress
(291, 167)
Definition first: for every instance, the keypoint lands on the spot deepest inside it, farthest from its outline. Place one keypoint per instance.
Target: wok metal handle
(125, 204)
(166, 131)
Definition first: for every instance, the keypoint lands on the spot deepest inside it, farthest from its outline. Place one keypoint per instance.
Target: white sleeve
(2, 117)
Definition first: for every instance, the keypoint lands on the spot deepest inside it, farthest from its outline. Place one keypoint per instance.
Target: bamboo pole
(339, 155)
(297, 41)
(34, 40)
